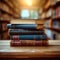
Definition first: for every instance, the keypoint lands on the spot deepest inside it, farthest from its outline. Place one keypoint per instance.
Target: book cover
(18, 43)
(56, 24)
(28, 37)
(58, 12)
(21, 26)
(24, 32)
(21, 21)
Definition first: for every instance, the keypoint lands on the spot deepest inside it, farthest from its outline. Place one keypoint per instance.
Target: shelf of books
(6, 3)
(7, 12)
(5, 8)
(53, 23)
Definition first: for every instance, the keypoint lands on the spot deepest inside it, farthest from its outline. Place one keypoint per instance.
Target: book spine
(57, 11)
(28, 37)
(28, 43)
(22, 26)
(24, 32)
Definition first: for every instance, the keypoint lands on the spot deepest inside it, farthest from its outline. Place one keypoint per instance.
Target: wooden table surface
(6, 51)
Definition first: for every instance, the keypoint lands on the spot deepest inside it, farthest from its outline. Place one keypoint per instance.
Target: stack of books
(26, 35)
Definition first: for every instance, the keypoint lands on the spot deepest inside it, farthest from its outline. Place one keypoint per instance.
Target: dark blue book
(25, 32)
(21, 26)
(28, 37)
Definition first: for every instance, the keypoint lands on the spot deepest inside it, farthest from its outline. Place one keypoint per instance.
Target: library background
(30, 22)
(45, 14)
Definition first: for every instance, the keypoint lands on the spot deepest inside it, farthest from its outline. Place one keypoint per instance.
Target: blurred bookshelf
(49, 18)
(53, 23)
(7, 13)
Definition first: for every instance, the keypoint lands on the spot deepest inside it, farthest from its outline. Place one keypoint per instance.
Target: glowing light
(28, 2)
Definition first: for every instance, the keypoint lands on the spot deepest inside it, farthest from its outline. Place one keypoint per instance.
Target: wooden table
(27, 52)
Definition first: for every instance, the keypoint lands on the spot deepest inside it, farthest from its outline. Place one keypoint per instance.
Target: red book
(16, 37)
(57, 11)
(16, 43)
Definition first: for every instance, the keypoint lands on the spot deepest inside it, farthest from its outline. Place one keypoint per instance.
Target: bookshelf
(6, 15)
(7, 12)
(3, 29)
(8, 9)
(10, 5)
(56, 15)
(53, 23)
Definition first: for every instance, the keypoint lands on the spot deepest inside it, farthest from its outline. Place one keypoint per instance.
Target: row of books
(56, 24)
(56, 12)
(7, 8)
(26, 35)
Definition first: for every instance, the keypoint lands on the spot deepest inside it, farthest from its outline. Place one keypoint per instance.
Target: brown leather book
(16, 43)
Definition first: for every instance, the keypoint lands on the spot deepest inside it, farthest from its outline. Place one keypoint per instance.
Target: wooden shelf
(56, 5)
(2, 21)
(47, 8)
(54, 29)
(4, 31)
(52, 51)
(47, 5)
(8, 13)
(47, 18)
(7, 8)
(56, 18)
(10, 5)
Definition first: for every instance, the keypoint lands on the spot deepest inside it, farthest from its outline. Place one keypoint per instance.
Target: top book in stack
(23, 24)
(17, 21)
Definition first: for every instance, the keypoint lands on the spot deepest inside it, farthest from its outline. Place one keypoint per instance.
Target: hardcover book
(24, 32)
(21, 26)
(28, 37)
(18, 43)
(19, 21)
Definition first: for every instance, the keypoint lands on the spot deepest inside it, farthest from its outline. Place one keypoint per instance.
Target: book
(21, 26)
(24, 32)
(58, 11)
(54, 13)
(21, 21)
(32, 29)
(49, 13)
(56, 24)
(28, 37)
(17, 43)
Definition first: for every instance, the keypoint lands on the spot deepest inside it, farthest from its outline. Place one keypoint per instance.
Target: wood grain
(27, 52)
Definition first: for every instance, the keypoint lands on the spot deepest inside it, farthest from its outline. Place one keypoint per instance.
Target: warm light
(28, 2)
